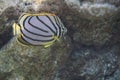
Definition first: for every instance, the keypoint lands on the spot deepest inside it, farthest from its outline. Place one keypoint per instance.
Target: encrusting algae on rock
(31, 62)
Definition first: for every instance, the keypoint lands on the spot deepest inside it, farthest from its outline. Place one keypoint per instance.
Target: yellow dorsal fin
(40, 14)
(16, 29)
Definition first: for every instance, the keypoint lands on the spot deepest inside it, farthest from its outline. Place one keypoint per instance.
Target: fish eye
(65, 29)
(27, 3)
(62, 29)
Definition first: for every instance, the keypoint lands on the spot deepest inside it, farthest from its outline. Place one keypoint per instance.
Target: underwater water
(88, 50)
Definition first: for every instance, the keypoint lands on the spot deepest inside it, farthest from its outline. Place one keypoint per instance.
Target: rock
(6, 20)
(88, 64)
(93, 33)
(89, 51)
(92, 10)
(7, 3)
(31, 62)
(87, 29)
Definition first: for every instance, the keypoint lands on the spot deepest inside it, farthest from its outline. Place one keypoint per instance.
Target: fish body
(38, 29)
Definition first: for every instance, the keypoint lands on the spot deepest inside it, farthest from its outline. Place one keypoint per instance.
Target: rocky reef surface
(89, 51)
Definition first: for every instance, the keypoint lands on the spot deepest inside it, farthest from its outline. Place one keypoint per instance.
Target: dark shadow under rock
(6, 21)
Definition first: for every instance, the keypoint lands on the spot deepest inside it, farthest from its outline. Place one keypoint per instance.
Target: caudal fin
(16, 29)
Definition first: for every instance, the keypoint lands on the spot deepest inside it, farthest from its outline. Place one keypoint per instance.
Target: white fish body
(39, 29)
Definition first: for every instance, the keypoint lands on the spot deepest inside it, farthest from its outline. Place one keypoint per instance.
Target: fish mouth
(64, 31)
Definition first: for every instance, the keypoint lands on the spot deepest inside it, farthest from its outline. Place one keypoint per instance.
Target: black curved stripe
(36, 39)
(35, 26)
(33, 32)
(25, 42)
(36, 33)
(21, 17)
(58, 24)
(30, 43)
(45, 24)
(53, 24)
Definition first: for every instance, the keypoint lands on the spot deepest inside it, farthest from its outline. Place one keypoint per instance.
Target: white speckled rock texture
(93, 9)
(7, 3)
(31, 62)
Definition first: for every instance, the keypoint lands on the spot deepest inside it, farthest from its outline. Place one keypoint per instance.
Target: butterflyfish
(38, 29)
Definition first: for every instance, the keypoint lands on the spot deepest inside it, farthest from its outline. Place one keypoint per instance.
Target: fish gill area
(89, 51)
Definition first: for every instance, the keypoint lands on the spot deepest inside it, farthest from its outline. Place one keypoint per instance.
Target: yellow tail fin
(16, 29)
